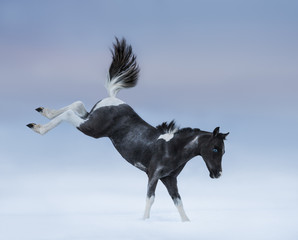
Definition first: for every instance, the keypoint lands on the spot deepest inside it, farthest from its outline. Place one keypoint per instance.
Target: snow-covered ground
(106, 202)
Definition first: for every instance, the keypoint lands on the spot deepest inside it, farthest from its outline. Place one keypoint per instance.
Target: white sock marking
(179, 205)
(149, 203)
(68, 116)
(78, 107)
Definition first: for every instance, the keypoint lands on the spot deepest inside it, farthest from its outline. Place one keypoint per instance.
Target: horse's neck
(203, 138)
(188, 140)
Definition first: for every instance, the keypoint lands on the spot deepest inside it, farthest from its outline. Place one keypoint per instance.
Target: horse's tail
(124, 71)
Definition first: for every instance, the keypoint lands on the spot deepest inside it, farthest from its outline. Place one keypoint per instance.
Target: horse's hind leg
(69, 116)
(78, 107)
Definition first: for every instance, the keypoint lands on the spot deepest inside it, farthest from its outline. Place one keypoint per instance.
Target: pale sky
(231, 64)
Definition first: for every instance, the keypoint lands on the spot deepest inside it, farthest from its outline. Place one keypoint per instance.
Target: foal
(161, 152)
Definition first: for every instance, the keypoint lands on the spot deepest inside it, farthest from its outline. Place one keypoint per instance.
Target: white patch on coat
(194, 140)
(110, 101)
(192, 144)
(168, 136)
(140, 166)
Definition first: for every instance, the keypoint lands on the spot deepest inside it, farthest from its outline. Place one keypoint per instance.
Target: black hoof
(30, 125)
(39, 109)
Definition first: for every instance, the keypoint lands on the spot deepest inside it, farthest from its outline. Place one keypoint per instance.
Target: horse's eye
(214, 150)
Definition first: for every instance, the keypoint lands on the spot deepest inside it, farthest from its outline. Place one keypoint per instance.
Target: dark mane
(166, 127)
(188, 130)
(171, 127)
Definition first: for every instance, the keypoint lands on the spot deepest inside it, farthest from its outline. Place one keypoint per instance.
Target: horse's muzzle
(215, 174)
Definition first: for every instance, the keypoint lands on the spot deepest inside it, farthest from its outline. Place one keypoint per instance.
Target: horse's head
(212, 151)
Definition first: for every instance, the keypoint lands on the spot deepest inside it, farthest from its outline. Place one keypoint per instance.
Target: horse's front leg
(69, 116)
(78, 107)
(171, 185)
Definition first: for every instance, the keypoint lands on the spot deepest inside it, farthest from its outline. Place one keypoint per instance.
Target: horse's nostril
(215, 173)
(218, 174)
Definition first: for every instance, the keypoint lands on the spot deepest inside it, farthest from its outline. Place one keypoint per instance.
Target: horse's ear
(225, 135)
(215, 132)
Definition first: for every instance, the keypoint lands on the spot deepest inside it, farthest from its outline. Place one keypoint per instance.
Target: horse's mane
(166, 127)
(172, 127)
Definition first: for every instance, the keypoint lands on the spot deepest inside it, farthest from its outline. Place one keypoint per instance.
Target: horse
(161, 152)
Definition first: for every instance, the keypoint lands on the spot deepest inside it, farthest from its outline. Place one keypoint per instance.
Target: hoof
(40, 109)
(36, 128)
(185, 220)
(31, 125)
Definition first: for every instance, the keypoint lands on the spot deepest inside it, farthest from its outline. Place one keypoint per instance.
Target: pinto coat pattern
(161, 152)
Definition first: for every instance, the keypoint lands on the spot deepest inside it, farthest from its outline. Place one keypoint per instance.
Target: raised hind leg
(69, 116)
(171, 185)
(78, 107)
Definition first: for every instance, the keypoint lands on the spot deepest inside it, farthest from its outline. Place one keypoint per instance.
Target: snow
(81, 203)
